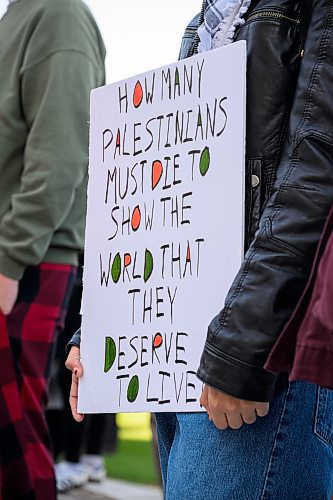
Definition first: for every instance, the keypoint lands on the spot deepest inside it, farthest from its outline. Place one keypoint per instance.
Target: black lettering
(134, 179)
(147, 307)
(163, 200)
(199, 241)
(113, 218)
(188, 79)
(135, 350)
(172, 299)
(179, 128)
(143, 351)
(187, 138)
(149, 399)
(188, 386)
(150, 92)
(120, 353)
(105, 276)
(225, 116)
(200, 68)
(166, 170)
(107, 142)
(163, 248)
(185, 207)
(137, 138)
(111, 178)
(194, 152)
(126, 221)
(167, 143)
(133, 292)
(150, 133)
(168, 348)
(175, 168)
(123, 194)
(166, 81)
(174, 259)
(149, 216)
(180, 348)
(134, 273)
(211, 122)
(159, 300)
(162, 400)
(123, 97)
(121, 378)
(125, 153)
(178, 391)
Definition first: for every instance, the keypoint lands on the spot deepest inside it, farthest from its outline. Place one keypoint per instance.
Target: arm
(73, 364)
(278, 262)
(74, 342)
(55, 103)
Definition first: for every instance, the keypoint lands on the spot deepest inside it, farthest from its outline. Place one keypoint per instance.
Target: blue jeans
(287, 455)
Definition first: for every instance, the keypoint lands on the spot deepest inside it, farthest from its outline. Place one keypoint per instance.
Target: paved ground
(80, 494)
(112, 489)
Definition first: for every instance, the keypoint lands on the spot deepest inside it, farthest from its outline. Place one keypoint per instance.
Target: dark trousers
(97, 432)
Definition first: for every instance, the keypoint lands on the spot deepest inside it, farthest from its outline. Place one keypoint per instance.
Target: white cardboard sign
(164, 231)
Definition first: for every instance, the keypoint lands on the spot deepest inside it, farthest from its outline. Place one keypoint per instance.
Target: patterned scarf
(221, 18)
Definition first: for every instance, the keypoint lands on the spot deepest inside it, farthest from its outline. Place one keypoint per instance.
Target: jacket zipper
(256, 15)
(190, 31)
(262, 14)
(272, 14)
(196, 38)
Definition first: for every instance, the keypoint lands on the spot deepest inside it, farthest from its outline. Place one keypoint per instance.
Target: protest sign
(164, 234)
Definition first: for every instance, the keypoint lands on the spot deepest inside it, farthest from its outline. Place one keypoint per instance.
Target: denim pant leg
(287, 455)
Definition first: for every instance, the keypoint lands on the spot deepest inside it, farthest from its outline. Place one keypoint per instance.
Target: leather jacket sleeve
(75, 341)
(277, 264)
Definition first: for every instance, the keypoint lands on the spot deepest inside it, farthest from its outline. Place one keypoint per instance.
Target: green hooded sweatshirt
(51, 56)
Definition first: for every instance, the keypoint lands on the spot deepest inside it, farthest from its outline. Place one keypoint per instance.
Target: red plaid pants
(27, 338)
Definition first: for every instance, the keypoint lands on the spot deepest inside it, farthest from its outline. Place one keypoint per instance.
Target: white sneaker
(63, 481)
(96, 467)
(70, 475)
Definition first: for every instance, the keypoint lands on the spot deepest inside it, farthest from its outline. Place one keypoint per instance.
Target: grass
(133, 461)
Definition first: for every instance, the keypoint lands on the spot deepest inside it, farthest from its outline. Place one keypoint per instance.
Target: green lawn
(133, 460)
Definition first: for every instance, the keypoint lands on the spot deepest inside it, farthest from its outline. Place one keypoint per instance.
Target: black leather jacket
(289, 186)
(290, 149)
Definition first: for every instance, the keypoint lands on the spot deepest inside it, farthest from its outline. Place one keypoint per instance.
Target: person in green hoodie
(51, 56)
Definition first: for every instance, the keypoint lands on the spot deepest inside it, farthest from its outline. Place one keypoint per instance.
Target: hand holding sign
(73, 364)
(226, 411)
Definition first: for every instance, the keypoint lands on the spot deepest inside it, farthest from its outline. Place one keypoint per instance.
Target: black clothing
(289, 146)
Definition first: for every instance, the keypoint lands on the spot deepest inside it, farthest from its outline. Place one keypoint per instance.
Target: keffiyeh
(221, 18)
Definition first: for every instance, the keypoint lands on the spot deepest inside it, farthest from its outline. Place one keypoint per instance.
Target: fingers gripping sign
(73, 363)
(229, 412)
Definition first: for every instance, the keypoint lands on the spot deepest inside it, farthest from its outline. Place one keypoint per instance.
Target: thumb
(204, 397)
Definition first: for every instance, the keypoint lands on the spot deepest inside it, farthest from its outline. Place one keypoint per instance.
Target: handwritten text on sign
(164, 229)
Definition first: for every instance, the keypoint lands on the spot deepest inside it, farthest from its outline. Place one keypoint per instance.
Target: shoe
(63, 482)
(70, 475)
(96, 467)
